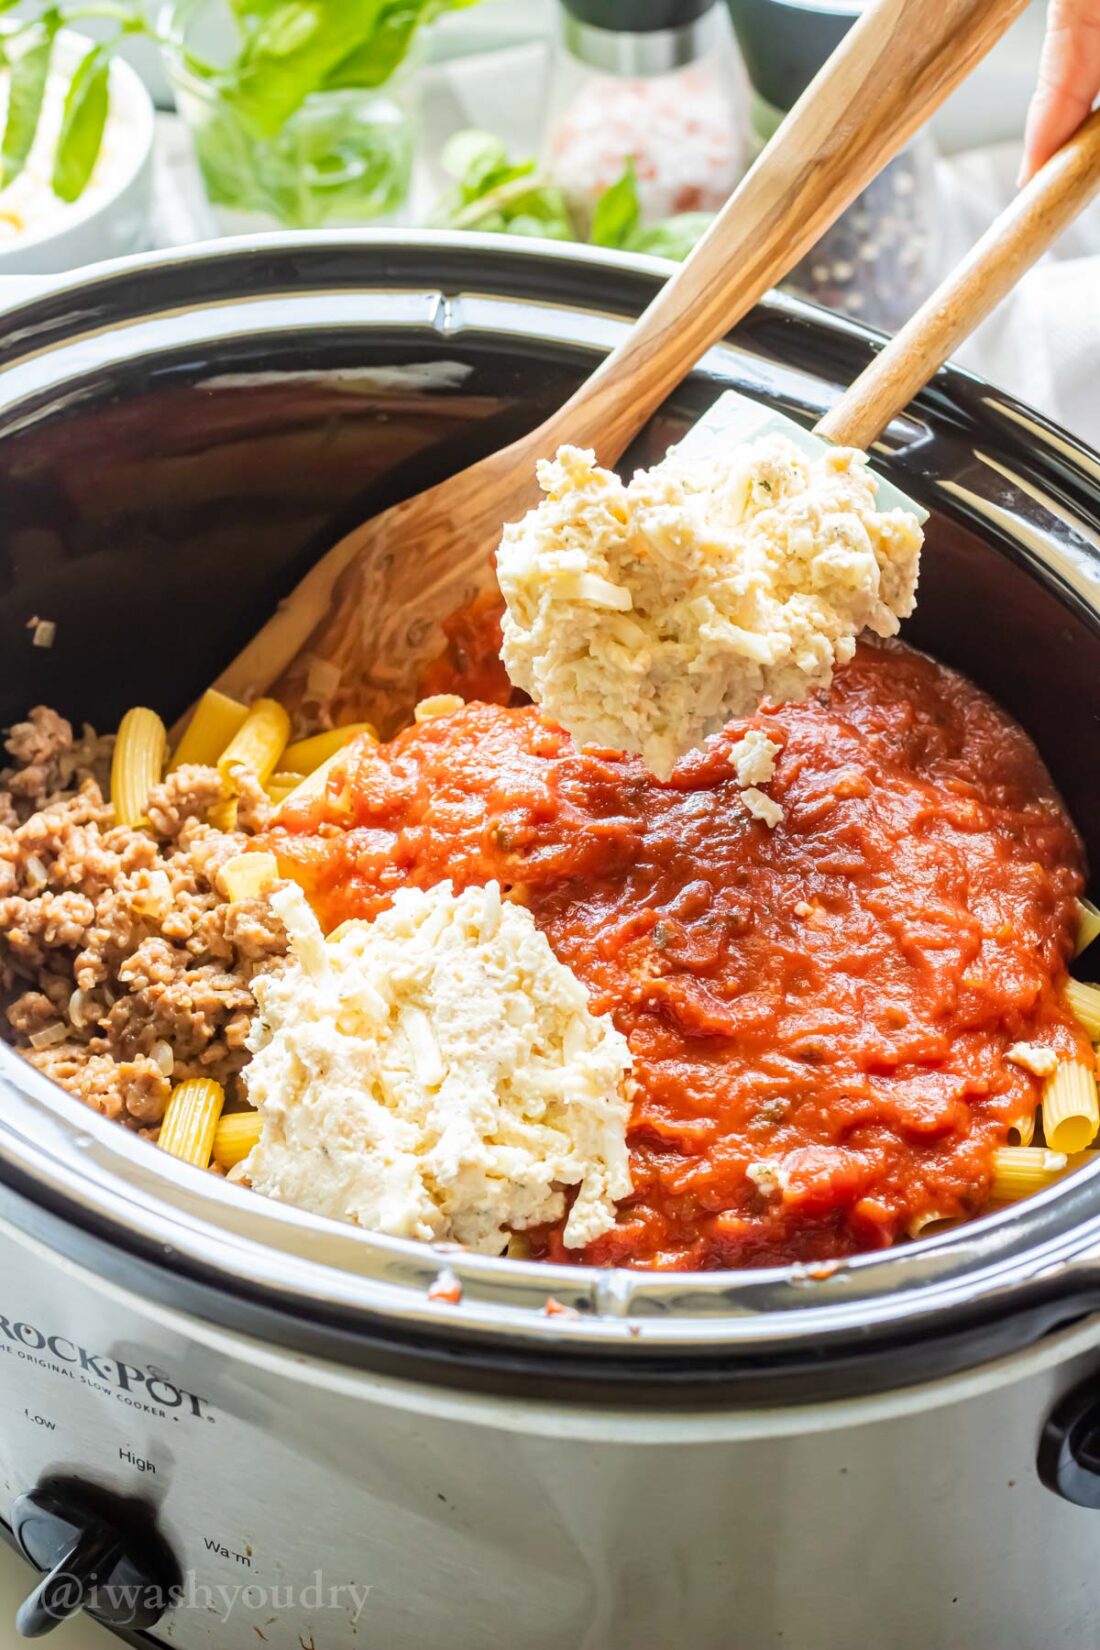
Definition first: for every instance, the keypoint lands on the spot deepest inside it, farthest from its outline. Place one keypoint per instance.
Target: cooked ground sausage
(123, 965)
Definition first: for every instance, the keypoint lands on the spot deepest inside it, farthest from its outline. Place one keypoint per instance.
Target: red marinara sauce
(819, 1014)
(470, 663)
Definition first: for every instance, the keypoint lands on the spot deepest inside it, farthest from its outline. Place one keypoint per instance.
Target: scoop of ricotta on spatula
(644, 616)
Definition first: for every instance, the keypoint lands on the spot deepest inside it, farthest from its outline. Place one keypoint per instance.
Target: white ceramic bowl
(112, 216)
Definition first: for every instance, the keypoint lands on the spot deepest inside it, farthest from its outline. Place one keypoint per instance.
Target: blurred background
(624, 123)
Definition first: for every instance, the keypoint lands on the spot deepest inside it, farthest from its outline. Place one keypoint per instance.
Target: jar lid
(637, 16)
(785, 42)
(638, 37)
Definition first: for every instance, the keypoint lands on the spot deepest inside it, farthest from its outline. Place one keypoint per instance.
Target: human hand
(1069, 80)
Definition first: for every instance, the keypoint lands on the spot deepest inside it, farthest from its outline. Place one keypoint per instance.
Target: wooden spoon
(373, 604)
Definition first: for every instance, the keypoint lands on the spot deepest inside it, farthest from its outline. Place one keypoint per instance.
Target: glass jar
(341, 154)
(878, 261)
(645, 82)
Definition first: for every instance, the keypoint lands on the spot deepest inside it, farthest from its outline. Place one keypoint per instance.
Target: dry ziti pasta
(1084, 1001)
(1020, 1170)
(1071, 1113)
(137, 764)
(254, 750)
(315, 784)
(191, 1120)
(216, 721)
(1024, 1128)
(1088, 924)
(235, 1137)
(929, 1223)
(824, 1061)
(258, 743)
(307, 754)
(282, 785)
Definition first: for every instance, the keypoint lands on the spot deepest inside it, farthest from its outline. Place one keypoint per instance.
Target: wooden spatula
(373, 604)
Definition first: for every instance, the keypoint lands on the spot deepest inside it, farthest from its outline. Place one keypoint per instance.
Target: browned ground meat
(189, 793)
(47, 759)
(123, 965)
(254, 808)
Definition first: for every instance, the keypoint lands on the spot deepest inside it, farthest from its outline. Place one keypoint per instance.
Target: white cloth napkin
(1043, 343)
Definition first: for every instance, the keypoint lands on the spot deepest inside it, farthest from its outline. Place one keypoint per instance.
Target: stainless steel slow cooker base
(909, 1519)
(744, 1460)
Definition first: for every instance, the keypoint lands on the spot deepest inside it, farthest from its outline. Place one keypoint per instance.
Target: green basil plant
(289, 51)
(495, 194)
(296, 124)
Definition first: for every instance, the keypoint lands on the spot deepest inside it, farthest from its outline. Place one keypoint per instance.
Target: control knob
(100, 1552)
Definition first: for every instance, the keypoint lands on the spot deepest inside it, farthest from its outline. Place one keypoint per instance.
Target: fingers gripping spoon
(372, 606)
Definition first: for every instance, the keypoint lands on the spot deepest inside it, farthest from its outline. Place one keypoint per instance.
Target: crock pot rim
(1042, 1240)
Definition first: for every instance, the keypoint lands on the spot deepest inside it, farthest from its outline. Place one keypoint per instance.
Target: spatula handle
(893, 69)
(1022, 233)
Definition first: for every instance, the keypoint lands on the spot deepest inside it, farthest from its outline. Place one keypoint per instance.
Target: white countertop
(16, 1580)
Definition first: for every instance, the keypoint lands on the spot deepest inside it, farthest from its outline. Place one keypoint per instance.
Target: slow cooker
(226, 1423)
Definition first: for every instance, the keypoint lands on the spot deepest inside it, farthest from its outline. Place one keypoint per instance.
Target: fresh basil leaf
(251, 14)
(479, 161)
(26, 90)
(546, 228)
(386, 48)
(228, 160)
(479, 184)
(293, 48)
(285, 60)
(289, 29)
(471, 155)
(86, 104)
(493, 195)
(673, 237)
(547, 205)
(496, 196)
(520, 198)
(617, 213)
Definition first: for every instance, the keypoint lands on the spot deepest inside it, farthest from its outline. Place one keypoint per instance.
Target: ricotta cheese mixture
(1034, 1057)
(644, 616)
(753, 760)
(437, 1074)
